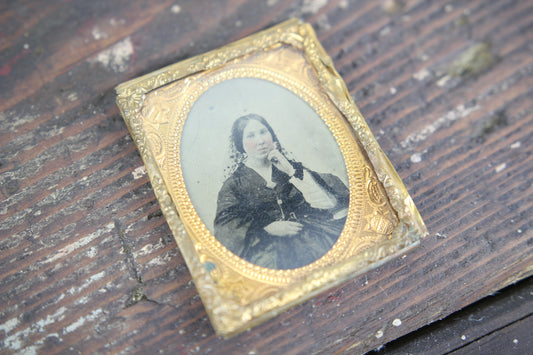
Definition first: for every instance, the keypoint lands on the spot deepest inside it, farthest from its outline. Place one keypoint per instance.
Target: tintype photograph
(271, 184)
(271, 181)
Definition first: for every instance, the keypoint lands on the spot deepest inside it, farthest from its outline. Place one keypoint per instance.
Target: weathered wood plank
(486, 317)
(473, 323)
(513, 339)
(87, 262)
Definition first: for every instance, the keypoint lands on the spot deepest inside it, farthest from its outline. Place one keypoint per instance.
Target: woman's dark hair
(240, 124)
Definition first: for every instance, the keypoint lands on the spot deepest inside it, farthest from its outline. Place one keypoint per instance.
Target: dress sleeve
(231, 222)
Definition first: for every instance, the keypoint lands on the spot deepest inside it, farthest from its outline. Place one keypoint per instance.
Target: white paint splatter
(422, 74)
(54, 131)
(393, 91)
(379, 334)
(416, 158)
(176, 9)
(117, 57)
(9, 325)
(116, 21)
(323, 22)
(79, 243)
(160, 260)
(343, 4)
(81, 321)
(500, 168)
(11, 123)
(98, 34)
(53, 335)
(26, 46)
(30, 350)
(88, 282)
(463, 337)
(313, 6)
(385, 31)
(459, 112)
(91, 253)
(139, 172)
(72, 97)
(82, 300)
(515, 341)
(97, 277)
(147, 249)
(16, 341)
(442, 81)
(397, 322)
(515, 145)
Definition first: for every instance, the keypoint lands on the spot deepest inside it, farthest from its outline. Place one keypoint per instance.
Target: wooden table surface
(88, 264)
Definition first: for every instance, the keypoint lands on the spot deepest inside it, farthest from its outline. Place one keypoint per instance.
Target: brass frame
(230, 292)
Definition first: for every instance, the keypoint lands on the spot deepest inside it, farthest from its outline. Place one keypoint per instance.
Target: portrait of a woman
(273, 211)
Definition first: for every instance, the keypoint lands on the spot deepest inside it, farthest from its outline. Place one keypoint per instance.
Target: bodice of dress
(246, 205)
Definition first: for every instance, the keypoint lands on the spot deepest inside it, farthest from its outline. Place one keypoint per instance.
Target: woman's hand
(281, 162)
(284, 228)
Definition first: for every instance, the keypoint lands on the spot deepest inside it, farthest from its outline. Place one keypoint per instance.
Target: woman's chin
(259, 158)
(262, 155)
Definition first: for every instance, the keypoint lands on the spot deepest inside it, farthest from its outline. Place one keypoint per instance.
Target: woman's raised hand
(284, 228)
(281, 162)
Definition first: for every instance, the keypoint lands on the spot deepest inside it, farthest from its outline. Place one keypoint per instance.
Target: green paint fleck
(472, 61)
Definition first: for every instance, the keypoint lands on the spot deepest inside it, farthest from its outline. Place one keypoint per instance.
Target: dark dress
(246, 205)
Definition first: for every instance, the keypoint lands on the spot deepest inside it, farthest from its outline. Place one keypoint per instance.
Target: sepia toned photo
(278, 198)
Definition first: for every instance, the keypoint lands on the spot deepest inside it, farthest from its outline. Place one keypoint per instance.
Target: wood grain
(88, 264)
(514, 339)
(490, 318)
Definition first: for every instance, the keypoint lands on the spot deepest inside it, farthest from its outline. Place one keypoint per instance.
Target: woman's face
(257, 140)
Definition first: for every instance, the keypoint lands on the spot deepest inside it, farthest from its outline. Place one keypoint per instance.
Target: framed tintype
(269, 177)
